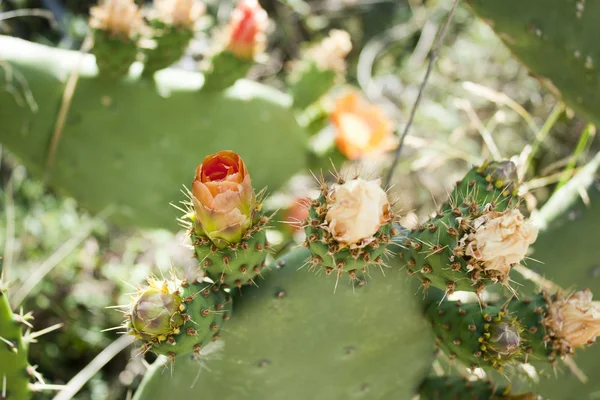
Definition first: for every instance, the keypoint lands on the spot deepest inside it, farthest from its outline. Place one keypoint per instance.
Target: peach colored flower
(246, 30)
(223, 198)
(361, 128)
(183, 13)
(575, 319)
(500, 240)
(117, 17)
(297, 213)
(356, 210)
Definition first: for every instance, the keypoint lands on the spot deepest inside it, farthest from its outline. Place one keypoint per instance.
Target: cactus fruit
(227, 229)
(474, 243)
(557, 324)
(349, 227)
(478, 337)
(172, 27)
(174, 317)
(117, 25)
(15, 370)
(494, 182)
(459, 388)
(556, 41)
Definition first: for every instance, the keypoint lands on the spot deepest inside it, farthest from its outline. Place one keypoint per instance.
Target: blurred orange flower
(362, 129)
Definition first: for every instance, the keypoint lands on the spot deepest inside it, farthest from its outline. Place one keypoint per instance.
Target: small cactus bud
(505, 339)
(223, 198)
(156, 313)
(246, 30)
(356, 210)
(503, 174)
(500, 240)
(361, 129)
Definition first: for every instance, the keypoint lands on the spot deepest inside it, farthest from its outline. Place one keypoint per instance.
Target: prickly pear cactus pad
(133, 144)
(283, 343)
(494, 182)
(556, 40)
(349, 227)
(227, 229)
(477, 337)
(175, 318)
(467, 247)
(459, 388)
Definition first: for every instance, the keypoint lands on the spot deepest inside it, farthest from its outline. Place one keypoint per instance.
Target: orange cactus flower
(223, 198)
(297, 213)
(362, 129)
(246, 31)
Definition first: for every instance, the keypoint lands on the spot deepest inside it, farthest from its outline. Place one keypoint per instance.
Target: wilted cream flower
(356, 210)
(331, 52)
(500, 240)
(223, 198)
(117, 17)
(574, 319)
(183, 13)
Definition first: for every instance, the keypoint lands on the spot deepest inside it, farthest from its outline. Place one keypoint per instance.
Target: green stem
(582, 145)
(13, 354)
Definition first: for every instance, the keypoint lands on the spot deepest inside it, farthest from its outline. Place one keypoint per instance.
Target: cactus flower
(361, 129)
(356, 210)
(574, 319)
(156, 314)
(246, 31)
(118, 17)
(330, 53)
(184, 13)
(297, 213)
(223, 198)
(500, 240)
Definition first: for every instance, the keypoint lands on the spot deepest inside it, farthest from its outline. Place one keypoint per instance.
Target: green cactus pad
(293, 339)
(114, 54)
(493, 182)
(478, 337)
(557, 41)
(224, 70)
(433, 252)
(309, 83)
(171, 43)
(237, 264)
(459, 388)
(133, 144)
(14, 367)
(203, 309)
(333, 258)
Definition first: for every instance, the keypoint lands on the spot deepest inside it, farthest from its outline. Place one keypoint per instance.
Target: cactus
(445, 253)
(555, 40)
(104, 143)
(14, 367)
(369, 336)
(333, 247)
(459, 388)
(176, 318)
(479, 338)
